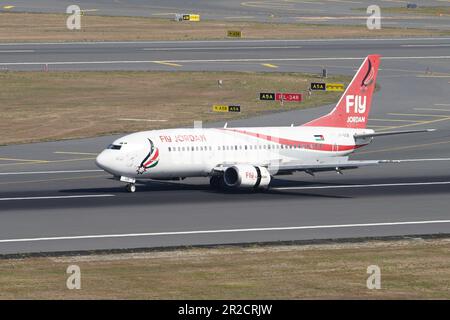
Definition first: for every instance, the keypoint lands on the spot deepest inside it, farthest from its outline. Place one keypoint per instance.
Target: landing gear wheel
(131, 187)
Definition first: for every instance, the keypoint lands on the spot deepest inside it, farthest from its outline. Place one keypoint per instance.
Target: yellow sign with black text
(191, 17)
(234, 34)
(335, 87)
(222, 108)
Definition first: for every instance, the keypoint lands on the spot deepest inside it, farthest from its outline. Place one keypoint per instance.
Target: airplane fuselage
(179, 153)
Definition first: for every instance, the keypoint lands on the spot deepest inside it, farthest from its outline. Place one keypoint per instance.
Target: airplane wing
(320, 165)
(389, 133)
(337, 164)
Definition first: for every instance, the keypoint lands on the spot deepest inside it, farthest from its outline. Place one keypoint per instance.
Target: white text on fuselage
(180, 138)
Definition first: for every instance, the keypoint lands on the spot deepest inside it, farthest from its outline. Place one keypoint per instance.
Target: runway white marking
(240, 17)
(221, 48)
(16, 51)
(59, 197)
(197, 232)
(310, 59)
(377, 185)
(47, 172)
(208, 60)
(147, 120)
(425, 45)
(220, 41)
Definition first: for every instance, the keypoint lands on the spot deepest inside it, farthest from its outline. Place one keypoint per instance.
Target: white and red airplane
(249, 157)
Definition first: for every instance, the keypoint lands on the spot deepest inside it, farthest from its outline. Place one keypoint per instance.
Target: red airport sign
(288, 96)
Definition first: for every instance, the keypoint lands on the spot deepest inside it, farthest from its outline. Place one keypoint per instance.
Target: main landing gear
(131, 187)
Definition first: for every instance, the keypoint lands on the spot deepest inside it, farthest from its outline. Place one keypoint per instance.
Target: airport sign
(234, 34)
(234, 108)
(266, 96)
(295, 97)
(318, 86)
(223, 108)
(187, 17)
(191, 17)
(335, 87)
(280, 96)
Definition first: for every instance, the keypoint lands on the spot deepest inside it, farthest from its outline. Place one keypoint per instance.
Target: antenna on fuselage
(225, 125)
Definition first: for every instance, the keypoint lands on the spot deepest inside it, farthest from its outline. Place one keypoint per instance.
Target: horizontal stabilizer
(390, 133)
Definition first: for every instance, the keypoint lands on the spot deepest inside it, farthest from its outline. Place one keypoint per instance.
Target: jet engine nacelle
(247, 176)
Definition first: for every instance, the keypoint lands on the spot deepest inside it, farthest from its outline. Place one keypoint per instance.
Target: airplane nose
(99, 161)
(103, 161)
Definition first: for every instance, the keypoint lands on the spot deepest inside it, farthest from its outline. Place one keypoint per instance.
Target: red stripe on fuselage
(303, 144)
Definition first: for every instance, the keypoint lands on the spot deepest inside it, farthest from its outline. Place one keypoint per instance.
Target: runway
(53, 198)
(316, 12)
(248, 55)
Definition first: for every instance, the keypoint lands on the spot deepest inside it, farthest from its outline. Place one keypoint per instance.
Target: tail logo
(355, 104)
(368, 78)
(150, 160)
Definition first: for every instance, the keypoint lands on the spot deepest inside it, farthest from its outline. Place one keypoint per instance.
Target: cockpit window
(114, 146)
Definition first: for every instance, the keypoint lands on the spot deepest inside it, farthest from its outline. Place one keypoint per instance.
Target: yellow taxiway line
(168, 63)
(44, 162)
(395, 120)
(23, 160)
(269, 65)
(431, 109)
(441, 118)
(49, 180)
(78, 153)
(405, 147)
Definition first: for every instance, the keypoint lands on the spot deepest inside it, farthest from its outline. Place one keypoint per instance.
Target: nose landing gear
(131, 187)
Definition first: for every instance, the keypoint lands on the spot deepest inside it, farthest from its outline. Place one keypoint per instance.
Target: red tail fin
(353, 108)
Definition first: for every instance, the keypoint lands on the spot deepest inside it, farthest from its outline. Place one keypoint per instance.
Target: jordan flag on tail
(353, 108)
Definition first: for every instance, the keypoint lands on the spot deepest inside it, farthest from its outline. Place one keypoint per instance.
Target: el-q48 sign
(355, 104)
(280, 96)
